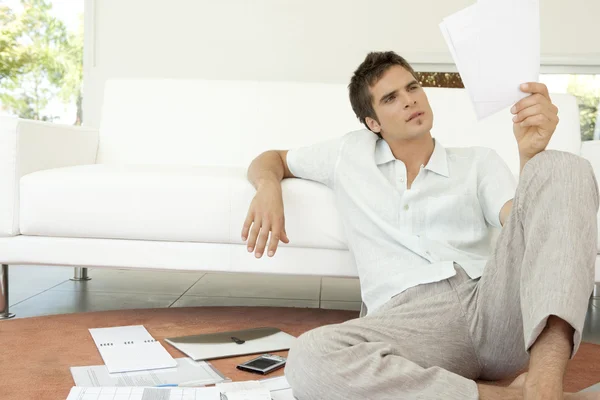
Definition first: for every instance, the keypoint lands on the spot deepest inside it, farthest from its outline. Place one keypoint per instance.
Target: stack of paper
(276, 389)
(141, 393)
(249, 390)
(279, 387)
(495, 45)
(187, 373)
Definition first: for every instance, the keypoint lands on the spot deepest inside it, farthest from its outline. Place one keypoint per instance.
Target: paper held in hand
(495, 45)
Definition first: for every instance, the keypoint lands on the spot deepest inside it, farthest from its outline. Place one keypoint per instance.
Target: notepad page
(130, 348)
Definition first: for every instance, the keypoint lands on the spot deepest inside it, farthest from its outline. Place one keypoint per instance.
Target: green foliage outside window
(39, 61)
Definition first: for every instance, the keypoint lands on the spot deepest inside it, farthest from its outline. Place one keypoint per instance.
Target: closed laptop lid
(233, 343)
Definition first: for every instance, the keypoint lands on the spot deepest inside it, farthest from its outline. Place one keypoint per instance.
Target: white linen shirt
(403, 237)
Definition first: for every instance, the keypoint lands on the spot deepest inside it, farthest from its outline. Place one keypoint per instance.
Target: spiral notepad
(130, 348)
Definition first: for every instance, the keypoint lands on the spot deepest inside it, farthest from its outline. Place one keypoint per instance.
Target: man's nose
(409, 103)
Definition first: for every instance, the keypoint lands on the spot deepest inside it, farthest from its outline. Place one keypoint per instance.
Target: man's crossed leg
(433, 341)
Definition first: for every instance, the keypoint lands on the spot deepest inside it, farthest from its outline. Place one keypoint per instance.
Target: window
(585, 87)
(587, 90)
(41, 59)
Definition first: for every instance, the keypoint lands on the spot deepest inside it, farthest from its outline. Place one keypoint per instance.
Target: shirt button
(406, 206)
(401, 179)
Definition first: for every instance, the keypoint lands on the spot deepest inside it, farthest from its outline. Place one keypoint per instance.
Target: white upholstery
(162, 255)
(231, 122)
(168, 188)
(216, 122)
(167, 203)
(28, 146)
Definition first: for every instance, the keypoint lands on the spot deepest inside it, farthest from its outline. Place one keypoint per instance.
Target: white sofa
(162, 183)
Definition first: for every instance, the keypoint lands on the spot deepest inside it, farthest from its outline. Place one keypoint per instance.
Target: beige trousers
(432, 341)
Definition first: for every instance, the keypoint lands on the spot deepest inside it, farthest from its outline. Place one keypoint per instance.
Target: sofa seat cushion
(167, 203)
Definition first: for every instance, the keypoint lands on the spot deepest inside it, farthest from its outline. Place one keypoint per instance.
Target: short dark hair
(366, 75)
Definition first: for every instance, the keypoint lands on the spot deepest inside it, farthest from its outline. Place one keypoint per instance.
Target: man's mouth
(415, 115)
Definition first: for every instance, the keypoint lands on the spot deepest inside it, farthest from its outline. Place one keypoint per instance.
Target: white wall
(300, 40)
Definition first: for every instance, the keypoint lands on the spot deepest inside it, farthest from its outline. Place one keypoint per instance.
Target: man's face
(401, 106)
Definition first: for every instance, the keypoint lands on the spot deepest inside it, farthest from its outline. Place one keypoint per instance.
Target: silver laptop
(233, 343)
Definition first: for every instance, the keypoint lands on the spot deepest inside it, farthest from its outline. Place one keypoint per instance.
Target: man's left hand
(535, 120)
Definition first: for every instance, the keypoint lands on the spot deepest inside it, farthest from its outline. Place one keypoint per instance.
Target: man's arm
(269, 166)
(534, 123)
(265, 215)
(505, 211)
(535, 120)
(315, 162)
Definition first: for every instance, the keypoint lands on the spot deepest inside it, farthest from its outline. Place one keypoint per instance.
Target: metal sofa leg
(81, 274)
(4, 314)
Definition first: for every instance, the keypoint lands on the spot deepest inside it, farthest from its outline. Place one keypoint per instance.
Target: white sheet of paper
(130, 348)
(508, 45)
(236, 386)
(268, 389)
(139, 393)
(284, 394)
(274, 384)
(279, 387)
(253, 394)
(187, 371)
(495, 46)
(247, 390)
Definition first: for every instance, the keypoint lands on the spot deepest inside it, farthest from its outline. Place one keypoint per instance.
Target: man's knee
(560, 168)
(305, 361)
(549, 162)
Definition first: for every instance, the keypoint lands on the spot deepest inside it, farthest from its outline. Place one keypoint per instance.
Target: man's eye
(415, 87)
(389, 99)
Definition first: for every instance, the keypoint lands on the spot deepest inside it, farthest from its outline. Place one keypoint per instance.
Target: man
(444, 313)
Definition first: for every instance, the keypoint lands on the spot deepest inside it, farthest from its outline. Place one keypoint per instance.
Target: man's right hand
(265, 216)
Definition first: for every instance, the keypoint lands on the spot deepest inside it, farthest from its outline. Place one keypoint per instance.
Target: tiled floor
(39, 290)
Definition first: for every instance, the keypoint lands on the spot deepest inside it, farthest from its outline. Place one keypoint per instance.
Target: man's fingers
(537, 120)
(530, 101)
(254, 231)
(262, 239)
(528, 112)
(284, 237)
(247, 224)
(277, 233)
(535, 87)
(273, 242)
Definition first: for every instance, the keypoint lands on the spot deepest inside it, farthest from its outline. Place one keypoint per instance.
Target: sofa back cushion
(207, 122)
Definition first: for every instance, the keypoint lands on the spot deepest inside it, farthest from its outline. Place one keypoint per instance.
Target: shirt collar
(438, 162)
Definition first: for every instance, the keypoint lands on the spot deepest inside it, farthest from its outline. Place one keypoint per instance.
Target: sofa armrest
(590, 150)
(29, 146)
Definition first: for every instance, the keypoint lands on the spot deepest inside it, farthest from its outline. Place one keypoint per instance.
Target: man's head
(385, 96)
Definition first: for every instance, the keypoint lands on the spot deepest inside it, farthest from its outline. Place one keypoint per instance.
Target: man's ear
(373, 125)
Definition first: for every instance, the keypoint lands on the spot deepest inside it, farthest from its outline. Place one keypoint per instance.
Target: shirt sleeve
(496, 186)
(316, 162)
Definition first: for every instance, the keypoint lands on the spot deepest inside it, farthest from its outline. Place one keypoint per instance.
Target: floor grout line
(37, 294)
(188, 289)
(260, 298)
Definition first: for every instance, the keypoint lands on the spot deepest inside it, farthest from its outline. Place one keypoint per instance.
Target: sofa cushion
(167, 203)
